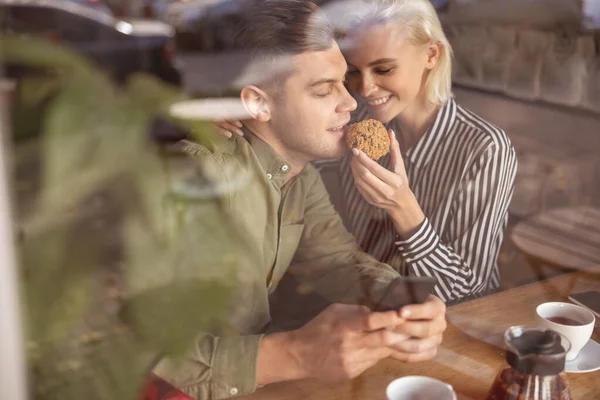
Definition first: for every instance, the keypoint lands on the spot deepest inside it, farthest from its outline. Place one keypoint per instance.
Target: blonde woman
(437, 204)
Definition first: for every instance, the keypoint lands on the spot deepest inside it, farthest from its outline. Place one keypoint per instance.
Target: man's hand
(338, 344)
(424, 326)
(228, 128)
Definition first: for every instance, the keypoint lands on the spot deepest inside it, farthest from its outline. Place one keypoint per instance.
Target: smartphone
(405, 290)
(589, 300)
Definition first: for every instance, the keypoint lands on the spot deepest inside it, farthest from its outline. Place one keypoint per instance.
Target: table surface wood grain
(472, 351)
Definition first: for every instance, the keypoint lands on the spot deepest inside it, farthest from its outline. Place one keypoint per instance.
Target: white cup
(578, 335)
(419, 388)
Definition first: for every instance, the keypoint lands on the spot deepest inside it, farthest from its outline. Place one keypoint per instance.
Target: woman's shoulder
(481, 131)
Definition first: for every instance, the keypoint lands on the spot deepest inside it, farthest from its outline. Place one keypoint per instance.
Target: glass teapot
(535, 370)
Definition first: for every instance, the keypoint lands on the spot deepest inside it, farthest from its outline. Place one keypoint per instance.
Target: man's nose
(348, 103)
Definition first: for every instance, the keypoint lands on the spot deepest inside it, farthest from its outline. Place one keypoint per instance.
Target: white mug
(419, 387)
(578, 335)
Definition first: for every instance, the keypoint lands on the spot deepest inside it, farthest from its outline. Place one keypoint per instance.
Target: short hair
(418, 22)
(277, 29)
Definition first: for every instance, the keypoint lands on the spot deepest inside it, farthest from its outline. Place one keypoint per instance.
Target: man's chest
(274, 225)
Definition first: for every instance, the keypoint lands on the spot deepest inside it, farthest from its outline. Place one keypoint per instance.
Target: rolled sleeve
(218, 367)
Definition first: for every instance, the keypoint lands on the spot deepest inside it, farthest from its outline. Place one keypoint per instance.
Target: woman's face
(387, 71)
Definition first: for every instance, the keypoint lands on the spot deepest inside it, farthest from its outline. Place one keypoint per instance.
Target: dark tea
(565, 321)
(513, 385)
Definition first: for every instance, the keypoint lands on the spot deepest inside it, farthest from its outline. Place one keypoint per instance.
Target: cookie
(369, 136)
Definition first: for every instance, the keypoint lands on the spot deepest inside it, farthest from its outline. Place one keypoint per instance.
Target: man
(297, 116)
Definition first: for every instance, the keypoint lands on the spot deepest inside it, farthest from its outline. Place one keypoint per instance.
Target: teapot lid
(534, 351)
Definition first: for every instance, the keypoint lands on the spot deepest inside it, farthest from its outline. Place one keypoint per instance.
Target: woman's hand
(388, 189)
(228, 128)
(380, 187)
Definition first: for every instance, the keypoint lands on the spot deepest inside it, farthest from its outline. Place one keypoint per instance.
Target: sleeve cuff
(222, 367)
(234, 366)
(423, 242)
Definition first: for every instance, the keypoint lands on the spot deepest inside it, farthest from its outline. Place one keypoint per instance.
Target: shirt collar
(275, 167)
(420, 154)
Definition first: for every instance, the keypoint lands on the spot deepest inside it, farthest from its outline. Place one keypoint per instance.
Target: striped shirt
(462, 174)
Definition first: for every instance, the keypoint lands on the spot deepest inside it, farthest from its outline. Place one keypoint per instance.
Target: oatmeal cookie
(371, 137)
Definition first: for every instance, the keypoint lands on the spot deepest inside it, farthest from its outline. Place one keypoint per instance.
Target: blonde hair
(418, 22)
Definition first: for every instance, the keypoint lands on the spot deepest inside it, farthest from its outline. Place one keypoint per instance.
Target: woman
(437, 204)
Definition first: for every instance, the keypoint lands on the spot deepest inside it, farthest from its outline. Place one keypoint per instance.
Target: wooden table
(472, 351)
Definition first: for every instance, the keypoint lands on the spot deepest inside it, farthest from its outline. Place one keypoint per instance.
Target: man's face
(311, 108)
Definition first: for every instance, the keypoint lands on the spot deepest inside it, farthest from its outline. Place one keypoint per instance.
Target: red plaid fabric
(159, 389)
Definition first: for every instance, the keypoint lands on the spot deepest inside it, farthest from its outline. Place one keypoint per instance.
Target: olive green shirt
(292, 227)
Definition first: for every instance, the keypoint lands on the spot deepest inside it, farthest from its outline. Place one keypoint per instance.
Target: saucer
(588, 359)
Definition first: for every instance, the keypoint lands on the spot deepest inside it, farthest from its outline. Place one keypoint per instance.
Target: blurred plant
(123, 257)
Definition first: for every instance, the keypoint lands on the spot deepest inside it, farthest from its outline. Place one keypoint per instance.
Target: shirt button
(269, 176)
(233, 391)
(285, 168)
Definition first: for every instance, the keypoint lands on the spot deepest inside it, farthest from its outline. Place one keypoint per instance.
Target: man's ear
(256, 102)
